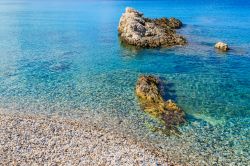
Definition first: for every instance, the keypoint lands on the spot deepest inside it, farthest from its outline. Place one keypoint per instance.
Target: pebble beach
(44, 140)
(39, 139)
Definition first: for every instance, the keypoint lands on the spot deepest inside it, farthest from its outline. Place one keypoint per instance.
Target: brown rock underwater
(150, 96)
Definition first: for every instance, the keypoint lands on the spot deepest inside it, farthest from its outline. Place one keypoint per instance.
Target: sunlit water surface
(62, 56)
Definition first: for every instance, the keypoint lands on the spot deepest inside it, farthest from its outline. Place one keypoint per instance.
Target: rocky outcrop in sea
(221, 46)
(137, 30)
(149, 93)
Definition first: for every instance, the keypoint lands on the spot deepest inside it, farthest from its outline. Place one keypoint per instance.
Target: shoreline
(40, 139)
(96, 138)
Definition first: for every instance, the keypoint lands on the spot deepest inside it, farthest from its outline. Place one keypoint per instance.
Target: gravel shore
(27, 139)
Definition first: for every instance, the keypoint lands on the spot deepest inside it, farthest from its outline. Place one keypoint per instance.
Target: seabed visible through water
(66, 58)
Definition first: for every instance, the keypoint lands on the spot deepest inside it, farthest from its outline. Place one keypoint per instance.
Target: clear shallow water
(64, 56)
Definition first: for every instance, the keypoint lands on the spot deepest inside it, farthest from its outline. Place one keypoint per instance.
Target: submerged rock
(134, 29)
(149, 92)
(221, 46)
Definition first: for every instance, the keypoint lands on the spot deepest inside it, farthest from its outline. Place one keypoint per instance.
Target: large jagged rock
(149, 93)
(134, 29)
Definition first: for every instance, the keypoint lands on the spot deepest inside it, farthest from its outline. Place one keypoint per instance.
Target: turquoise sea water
(59, 56)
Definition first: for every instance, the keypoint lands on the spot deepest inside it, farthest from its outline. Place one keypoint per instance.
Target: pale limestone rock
(134, 29)
(221, 46)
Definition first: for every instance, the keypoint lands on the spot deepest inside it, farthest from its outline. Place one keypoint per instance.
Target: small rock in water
(221, 46)
(148, 91)
(134, 29)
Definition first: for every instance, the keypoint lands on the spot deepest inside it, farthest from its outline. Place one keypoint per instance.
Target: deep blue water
(63, 56)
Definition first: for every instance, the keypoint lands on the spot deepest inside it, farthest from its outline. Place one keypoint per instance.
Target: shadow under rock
(168, 90)
(129, 50)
